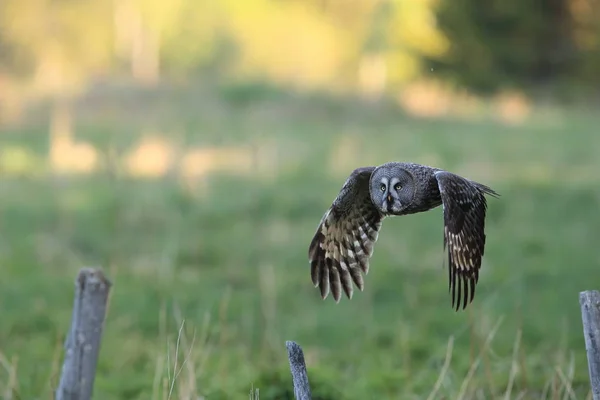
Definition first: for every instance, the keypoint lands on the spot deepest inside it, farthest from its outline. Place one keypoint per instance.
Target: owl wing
(464, 221)
(341, 247)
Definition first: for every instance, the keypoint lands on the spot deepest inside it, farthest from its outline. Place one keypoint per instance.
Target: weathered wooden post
(298, 369)
(590, 314)
(83, 341)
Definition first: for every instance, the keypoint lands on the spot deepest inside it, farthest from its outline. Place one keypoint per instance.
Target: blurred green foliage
(522, 44)
(308, 43)
(227, 253)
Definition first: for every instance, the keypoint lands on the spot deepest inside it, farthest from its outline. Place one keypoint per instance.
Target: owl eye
(397, 186)
(382, 187)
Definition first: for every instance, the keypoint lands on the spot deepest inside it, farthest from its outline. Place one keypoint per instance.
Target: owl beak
(389, 198)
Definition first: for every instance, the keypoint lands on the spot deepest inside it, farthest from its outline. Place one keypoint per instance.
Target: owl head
(392, 188)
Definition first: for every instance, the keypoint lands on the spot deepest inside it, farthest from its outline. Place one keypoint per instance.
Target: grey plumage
(340, 250)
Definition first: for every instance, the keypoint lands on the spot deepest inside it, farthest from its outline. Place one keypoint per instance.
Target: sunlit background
(190, 148)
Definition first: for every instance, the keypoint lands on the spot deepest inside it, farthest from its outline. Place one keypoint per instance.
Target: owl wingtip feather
(324, 293)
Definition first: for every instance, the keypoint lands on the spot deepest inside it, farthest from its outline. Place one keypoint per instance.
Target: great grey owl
(343, 243)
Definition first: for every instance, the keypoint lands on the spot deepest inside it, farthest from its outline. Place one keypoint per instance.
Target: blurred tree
(55, 45)
(372, 66)
(196, 37)
(507, 42)
(287, 42)
(375, 45)
(58, 43)
(137, 37)
(382, 41)
(413, 37)
(586, 36)
(301, 42)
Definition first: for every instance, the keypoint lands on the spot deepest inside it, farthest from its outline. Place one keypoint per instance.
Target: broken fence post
(83, 341)
(298, 369)
(590, 315)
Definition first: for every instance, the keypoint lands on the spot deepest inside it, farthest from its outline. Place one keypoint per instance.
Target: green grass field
(229, 255)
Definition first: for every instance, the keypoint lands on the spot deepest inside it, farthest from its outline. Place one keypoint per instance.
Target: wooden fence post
(83, 341)
(590, 314)
(298, 369)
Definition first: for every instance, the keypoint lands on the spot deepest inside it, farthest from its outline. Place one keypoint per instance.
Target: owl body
(340, 250)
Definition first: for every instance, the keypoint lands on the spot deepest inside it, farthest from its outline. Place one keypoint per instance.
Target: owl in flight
(340, 250)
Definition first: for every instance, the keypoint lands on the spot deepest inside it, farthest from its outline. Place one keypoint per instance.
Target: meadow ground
(227, 253)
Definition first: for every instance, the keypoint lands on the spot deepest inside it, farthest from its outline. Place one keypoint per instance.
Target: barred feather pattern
(340, 250)
(465, 208)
